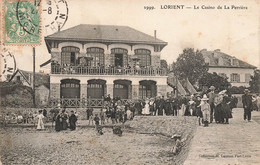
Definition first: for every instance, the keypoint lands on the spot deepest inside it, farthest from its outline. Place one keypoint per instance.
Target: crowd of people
(207, 106)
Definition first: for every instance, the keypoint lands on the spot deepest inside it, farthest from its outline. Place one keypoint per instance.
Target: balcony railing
(81, 70)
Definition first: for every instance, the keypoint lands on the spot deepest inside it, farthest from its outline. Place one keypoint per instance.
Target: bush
(16, 95)
(236, 90)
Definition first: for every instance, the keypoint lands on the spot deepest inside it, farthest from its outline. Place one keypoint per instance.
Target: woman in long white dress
(146, 109)
(40, 125)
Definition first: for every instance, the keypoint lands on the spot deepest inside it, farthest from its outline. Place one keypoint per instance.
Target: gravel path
(234, 143)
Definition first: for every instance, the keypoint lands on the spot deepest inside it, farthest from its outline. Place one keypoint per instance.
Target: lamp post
(34, 104)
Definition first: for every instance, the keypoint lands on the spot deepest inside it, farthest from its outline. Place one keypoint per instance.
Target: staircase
(183, 87)
(173, 82)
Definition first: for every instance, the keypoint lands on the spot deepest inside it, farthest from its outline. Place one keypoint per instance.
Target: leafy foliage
(237, 90)
(164, 64)
(15, 95)
(209, 79)
(191, 65)
(255, 82)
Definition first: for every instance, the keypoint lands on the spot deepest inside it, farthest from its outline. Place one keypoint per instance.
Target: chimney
(154, 34)
(58, 27)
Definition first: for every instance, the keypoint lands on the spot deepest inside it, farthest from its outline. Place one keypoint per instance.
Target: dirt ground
(233, 143)
(22, 145)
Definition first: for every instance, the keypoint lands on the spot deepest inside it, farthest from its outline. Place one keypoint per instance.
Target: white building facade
(238, 72)
(89, 62)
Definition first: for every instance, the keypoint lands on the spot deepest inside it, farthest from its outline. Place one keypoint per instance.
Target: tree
(191, 65)
(209, 79)
(255, 82)
(237, 90)
(164, 64)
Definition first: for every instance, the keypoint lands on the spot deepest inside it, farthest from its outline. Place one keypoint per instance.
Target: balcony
(83, 70)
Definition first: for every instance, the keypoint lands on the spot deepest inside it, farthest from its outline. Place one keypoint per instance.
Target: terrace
(84, 70)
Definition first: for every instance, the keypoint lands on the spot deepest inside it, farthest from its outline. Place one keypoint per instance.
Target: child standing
(90, 117)
(96, 119)
(198, 108)
(102, 116)
(205, 108)
(108, 113)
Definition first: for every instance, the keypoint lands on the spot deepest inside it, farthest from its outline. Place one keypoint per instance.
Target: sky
(234, 31)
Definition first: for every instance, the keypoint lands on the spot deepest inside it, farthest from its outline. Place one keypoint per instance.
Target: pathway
(223, 144)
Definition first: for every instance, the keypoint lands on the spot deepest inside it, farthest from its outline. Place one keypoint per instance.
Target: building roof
(40, 78)
(105, 33)
(218, 59)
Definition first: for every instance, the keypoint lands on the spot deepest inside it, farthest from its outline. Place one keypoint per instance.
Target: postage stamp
(21, 22)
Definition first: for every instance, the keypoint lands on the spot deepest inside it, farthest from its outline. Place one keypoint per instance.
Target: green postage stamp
(21, 22)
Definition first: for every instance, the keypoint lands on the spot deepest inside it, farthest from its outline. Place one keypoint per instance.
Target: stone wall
(54, 90)
(167, 126)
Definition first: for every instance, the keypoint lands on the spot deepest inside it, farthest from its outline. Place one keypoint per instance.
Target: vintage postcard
(130, 82)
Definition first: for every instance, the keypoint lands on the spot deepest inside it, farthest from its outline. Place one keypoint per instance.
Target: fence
(83, 103)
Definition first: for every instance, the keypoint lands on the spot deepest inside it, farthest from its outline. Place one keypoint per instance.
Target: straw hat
(176, 136)
(205, 97)
(222, 92)
(246, 91)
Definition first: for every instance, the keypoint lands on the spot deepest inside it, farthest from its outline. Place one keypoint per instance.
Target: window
(119, 57)
(145, 91)
(145, 56)
(234, 77)
(118, 86)
(157, 48)
(95, 86)
(55, 44)
(18, 78)
(247, 77)
(216, 61)
(69, 55)
(118, 51)
(97, 54)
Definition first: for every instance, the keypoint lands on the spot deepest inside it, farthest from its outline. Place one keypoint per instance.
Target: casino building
(89, 62)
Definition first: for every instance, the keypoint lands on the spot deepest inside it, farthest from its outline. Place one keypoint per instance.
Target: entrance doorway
(147, 89)
(95, 89)
(118, 60)
(121, 88)
(70, 88)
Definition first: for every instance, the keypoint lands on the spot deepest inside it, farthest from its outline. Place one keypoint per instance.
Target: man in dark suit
(161, 106)
(247, 105)
(157, 105)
